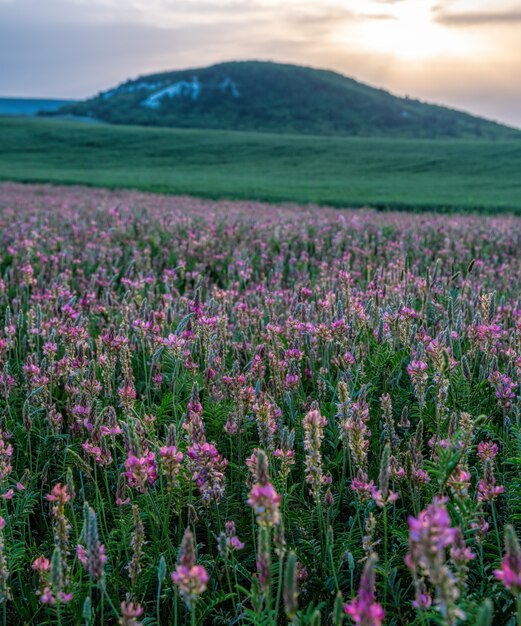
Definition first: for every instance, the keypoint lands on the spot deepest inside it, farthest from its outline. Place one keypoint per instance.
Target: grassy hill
(337, 171)
(272, 97)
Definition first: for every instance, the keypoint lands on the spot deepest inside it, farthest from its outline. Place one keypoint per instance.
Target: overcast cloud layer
(462, 53)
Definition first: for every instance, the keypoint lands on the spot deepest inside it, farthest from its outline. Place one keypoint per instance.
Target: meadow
(237, 413)
(442, 174)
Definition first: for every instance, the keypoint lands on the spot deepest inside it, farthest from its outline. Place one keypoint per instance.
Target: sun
(409, 31)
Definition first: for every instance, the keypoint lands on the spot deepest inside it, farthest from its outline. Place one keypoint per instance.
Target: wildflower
(52, 580)
(263, 499)
(129, 612)
(384, 495)
(313, 425)
(357, 433)
(487, 450)
(193, 424)
(461, 555)
(60, 495)
(505, 389)
(6, 452)
(5, 594)
(127, 395)
(171, 461)
(417, 370)
(487, 488)
(388, 421)
(93, 558)
(136, 543)
(141, 471)
(208, 468)
(41, 564)
(430, 535)
(285, 453)
(265, 502)
(510, 571)
(365, 610)
(266, 416)
(228, 541)
(189, 578)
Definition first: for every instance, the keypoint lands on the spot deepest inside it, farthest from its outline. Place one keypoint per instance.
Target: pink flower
(488, 490)
(81, 553)
(141, 471)
(172, 459)
(510, 572)
(59, 494)
(208, 468)
(129, 612)
(41, 564)
(230, 539)
(189, 578)
(265, 501)
(487, 450)
(364, 610)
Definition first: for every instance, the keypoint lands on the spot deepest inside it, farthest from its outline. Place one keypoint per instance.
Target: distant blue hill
(30, 106)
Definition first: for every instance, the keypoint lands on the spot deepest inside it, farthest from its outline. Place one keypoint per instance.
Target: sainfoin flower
(417, 370)
(5, 594)
(208, 468)
(93, 558)
(488, 490)
(171, 459)
(313, 425)
(364, 610)
(189, 578)
(229, 540)
(509, 572)
(263, 499)
(430, 536)
(141, 471)
(129, 612)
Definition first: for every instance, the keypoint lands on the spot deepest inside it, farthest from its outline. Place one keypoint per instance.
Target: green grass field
(386, 173)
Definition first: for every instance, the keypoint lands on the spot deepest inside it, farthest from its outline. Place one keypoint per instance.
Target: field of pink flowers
(235, 413)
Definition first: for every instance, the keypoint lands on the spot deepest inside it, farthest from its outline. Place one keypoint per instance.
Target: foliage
(274, 97)
(336, 171)
(232, 413)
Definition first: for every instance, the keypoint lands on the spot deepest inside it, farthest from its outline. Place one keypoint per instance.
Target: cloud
(75, 48)
(476, 18)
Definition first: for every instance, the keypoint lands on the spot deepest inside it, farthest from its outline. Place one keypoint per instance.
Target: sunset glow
(463, 53)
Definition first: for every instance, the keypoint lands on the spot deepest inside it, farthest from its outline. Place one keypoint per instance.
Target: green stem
(385, 554)
(279, 588)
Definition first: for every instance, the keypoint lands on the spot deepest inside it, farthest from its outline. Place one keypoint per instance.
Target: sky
(461, 53)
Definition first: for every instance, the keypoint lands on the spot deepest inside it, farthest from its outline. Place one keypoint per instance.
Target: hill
(30, 106)
(415, 174)
(272, 97)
